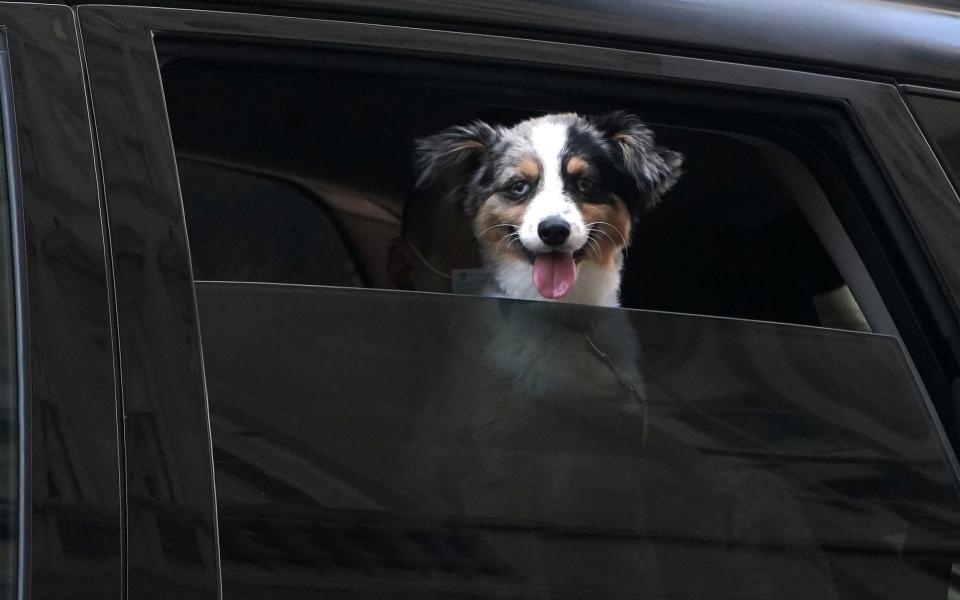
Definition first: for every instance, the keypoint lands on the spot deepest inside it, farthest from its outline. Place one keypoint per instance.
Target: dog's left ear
(654, 168)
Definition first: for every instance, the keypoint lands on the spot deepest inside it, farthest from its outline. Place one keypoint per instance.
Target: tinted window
(940, 120)
(385, 444)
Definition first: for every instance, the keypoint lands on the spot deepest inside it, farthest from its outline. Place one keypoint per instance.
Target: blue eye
(518, 188)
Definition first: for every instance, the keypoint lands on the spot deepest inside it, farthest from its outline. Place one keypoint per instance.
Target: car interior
(311, 153)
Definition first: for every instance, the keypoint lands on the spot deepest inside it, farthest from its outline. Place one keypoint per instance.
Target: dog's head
(552, 194)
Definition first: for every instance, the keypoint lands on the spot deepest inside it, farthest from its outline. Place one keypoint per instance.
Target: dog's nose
(553, 231)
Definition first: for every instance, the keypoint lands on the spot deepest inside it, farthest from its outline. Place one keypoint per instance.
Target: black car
(212, 391)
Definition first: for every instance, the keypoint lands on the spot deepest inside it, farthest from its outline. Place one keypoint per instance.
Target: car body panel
(910, 40)
(73, 530)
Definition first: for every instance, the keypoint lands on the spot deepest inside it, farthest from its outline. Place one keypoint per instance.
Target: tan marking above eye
(529, 168)
(577, 164)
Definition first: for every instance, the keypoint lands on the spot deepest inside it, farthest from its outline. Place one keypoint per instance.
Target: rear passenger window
(747, 231)
(746, 426)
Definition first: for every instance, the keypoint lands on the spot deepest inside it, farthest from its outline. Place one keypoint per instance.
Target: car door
(372, 443)
(62, 502)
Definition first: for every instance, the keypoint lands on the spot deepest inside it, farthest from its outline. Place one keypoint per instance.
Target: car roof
(914, 40)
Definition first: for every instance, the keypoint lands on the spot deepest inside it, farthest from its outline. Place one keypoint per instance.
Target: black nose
(553, 231)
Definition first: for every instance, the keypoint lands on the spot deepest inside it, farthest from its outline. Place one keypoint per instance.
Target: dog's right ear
(652, 167)
(453, 148)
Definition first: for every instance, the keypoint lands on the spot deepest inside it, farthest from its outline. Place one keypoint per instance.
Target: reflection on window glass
(9, 405)
(374, 444)
(940, 120)
(244, 227)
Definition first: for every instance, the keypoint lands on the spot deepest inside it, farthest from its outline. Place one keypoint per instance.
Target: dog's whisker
(626, 248)
(513, 240)
(498, 225)
(595, 246)
(476, 242)
(510, 236)
(604, 234)
(611, 226)
(588, 246)
(590, 251)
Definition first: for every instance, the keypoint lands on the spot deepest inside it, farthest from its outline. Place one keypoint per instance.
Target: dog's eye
(518, 188)
(586, 186)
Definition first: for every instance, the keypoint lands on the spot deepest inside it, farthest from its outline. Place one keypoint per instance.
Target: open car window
(749, 231)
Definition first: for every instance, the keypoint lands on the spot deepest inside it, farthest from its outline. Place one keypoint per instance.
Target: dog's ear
(452, 149)
(653, 168)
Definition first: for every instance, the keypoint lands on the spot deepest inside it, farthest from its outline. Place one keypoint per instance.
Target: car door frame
(71, 531)
(143, 198)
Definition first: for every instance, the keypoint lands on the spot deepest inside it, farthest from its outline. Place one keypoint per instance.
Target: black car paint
(73, 527)
(912, 40)
(156, 314)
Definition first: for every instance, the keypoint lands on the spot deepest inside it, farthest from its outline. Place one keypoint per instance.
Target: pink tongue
(553, 274)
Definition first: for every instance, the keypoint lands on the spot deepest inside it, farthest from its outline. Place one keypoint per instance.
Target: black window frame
(145, 208)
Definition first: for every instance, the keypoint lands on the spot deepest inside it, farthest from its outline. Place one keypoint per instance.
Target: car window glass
(399, 445)
(940, 120)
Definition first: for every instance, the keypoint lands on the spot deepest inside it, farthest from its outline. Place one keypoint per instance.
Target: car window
(739, 225)
(397, 445)
(940, 119)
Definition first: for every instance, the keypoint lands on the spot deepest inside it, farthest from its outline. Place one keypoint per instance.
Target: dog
(551, 200)
(548, 419)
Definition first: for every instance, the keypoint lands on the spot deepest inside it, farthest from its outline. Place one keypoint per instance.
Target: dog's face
(552, 197)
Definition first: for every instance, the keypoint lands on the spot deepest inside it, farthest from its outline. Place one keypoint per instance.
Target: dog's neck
(596, 284)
